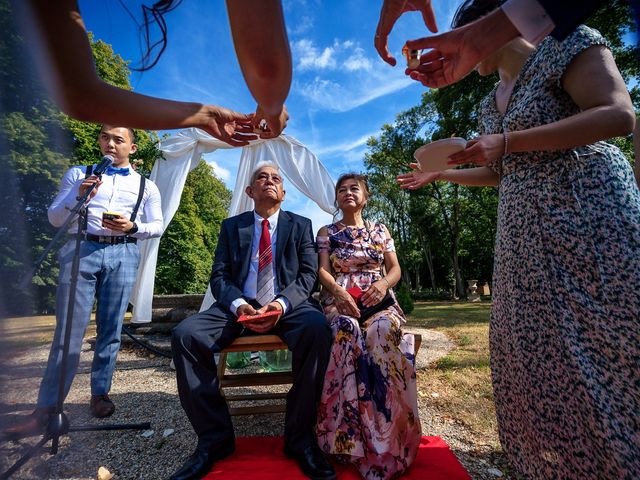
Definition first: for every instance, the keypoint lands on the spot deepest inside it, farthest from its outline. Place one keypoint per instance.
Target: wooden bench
(254, 343)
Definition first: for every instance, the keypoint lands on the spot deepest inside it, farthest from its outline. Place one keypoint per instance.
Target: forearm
(589, 126)
(471, 177)
(59, 43)
(392, 276)
(263, 52)
(327, 281)
(490, 33)
(59, 209)
(94, 100)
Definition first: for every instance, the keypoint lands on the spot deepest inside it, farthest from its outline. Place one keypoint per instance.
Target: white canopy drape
(182, 153)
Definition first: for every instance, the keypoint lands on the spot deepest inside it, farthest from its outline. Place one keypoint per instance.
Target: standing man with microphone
(109, 258)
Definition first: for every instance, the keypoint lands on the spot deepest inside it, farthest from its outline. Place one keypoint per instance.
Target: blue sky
(342, 92)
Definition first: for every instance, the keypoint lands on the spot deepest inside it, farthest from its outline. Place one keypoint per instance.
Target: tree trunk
(428, 257)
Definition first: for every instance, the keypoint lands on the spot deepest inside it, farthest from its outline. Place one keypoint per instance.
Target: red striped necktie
(265, 293)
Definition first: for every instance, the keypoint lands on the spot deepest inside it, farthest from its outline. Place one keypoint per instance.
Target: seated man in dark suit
(265, 260)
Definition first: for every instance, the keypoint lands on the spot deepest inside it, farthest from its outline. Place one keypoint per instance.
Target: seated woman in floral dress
(368, 412)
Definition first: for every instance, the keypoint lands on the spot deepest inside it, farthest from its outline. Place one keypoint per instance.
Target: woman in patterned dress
(565, 323)
(368, 412)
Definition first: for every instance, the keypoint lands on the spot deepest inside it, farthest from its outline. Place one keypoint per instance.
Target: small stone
(147, 433)
(167, 432)
(104, 474)
(435, 394)
(421, 393)
(495, 472)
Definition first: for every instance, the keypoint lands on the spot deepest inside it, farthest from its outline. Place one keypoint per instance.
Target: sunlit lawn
(459, 384)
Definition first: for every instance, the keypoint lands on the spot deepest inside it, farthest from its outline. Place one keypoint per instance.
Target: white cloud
(302, 26)
(345, 146)
(329, 95)
(219, 171)
(358, 62)
(311, 57)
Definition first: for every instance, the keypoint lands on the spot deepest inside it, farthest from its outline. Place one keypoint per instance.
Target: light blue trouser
(107, 272)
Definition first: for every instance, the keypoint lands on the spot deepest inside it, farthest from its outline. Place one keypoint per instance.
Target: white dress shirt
(119, 194)
(529, 18)
(250, 287)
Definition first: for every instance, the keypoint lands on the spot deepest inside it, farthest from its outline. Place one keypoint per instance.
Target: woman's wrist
(386, 281)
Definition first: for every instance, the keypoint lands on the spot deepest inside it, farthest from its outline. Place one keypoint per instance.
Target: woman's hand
(483, 150)
(391, 11)
(231, 127)
(345, 303)
(417, 179)
(375, 293)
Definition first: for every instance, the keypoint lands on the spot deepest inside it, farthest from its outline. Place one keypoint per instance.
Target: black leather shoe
(313, 463)
(201, 461)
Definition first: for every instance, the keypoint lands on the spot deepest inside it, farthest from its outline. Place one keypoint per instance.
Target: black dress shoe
(201, 461)
(313, 462)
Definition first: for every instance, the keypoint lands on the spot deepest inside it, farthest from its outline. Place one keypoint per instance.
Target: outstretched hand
(391, 11)
(453, 55)
(231, 127)
(270, 126)
(416, 179)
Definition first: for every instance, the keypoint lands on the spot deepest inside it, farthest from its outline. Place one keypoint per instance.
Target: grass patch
(459, 384)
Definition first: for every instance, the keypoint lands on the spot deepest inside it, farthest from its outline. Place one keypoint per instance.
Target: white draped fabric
(182, 153)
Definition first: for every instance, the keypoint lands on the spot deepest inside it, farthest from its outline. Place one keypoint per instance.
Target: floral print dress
(565, 325)
(368, 412)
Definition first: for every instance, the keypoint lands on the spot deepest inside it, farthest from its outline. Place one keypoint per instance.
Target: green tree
(186, 249)
(38, 144)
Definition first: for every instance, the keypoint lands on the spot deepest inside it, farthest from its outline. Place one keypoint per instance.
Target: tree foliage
(186, 249)
(38, 145)
(445, 232)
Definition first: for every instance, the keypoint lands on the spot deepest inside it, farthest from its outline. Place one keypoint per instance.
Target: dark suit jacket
(296, 258)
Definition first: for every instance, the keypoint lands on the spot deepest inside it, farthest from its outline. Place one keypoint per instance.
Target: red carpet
(261, 458)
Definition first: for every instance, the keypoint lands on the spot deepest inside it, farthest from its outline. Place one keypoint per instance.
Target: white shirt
(530, 18)
(250, 287)
(119, 194)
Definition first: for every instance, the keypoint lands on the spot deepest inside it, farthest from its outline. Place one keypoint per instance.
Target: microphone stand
(58, 424)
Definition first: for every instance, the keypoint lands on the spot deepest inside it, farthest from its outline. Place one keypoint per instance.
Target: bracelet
(387, 282)
(505, 135)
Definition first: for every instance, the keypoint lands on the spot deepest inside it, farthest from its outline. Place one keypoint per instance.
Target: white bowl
(433, 157)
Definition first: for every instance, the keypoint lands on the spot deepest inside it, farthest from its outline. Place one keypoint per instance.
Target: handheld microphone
(105, 163)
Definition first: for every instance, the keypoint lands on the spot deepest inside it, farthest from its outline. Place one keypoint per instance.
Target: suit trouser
(195, 341)
(108, 272)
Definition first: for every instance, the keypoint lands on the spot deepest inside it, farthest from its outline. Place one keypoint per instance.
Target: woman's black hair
(472, 10)
(153, 15)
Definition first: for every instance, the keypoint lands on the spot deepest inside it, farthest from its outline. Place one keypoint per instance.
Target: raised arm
(59, 43)
(596, 86)
(470, 177)
(262, 47)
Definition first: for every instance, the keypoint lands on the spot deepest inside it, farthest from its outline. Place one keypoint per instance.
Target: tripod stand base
(59, 425)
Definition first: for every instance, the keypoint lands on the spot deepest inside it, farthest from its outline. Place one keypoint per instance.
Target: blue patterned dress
(368, 412)
(565, 326)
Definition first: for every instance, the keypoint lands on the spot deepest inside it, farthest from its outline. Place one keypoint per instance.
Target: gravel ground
(144, 390)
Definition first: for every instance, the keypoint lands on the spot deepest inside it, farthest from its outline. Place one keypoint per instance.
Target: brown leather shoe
(102, 406)
(32, 424)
